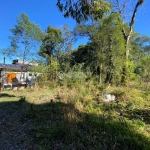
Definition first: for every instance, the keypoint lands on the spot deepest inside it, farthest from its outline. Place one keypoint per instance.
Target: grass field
(64, 118)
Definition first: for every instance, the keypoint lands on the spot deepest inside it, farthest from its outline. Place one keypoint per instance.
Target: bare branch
(134, 12)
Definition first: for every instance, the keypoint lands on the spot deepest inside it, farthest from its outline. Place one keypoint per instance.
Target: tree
(68, 39)
(84, 54)
(51, 43)
(83, 10)
(24, 40)
(141, 56)
(63, 56)
(114, 46)
(127, 31)
(140, 44)
(51, 47)
(107, 46)
(94, 51)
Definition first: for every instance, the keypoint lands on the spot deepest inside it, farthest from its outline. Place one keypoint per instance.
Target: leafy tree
(84, 54)
(83, 10)
(120, 7)
(25, 39)
(68, 39)
(105, 52)
(63, 55)
(141, 44)
(51, 43)
(90, 51)
(114, 47)
(141, 55)
(142, 70)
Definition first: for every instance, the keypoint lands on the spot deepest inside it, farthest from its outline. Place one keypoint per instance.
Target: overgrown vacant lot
(75, 118)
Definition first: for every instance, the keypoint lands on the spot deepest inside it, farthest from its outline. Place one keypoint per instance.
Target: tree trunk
(127, 38)
(19, 82)
(100, 73)
(109, 75)
(0, 79)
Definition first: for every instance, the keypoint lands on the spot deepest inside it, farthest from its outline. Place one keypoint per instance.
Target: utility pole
(1, 79)
(1, 69)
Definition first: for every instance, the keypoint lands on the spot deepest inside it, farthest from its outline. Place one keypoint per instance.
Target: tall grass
(79, 118)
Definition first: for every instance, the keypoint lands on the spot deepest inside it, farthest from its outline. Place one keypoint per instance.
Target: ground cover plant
(58, 117)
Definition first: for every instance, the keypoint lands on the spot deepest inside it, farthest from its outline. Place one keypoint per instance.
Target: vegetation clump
(69, 119)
